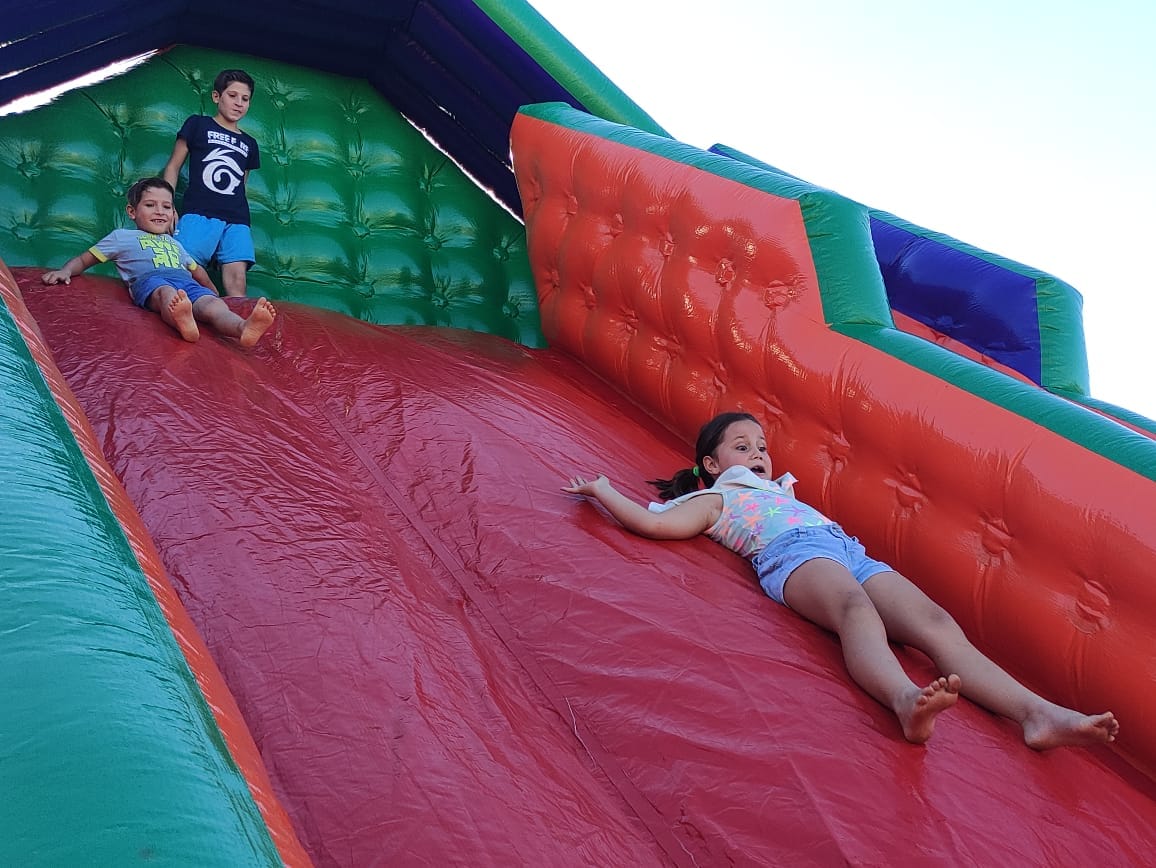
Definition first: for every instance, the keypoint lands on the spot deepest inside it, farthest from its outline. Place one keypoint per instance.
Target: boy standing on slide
(214, 221)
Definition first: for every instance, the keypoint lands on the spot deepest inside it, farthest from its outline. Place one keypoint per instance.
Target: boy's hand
(587, 487)
(60, 275)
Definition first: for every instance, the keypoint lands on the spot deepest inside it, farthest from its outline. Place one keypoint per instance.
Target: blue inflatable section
(988, 308)
(1017, 316)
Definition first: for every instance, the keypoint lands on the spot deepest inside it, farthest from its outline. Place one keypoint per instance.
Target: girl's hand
(587, 487)
(58, 276)
(679, 522)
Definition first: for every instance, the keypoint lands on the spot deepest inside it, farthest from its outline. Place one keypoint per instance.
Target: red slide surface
(446, 660)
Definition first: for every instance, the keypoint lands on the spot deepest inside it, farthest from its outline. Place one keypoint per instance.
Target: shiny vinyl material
(689, 282)
(459, 69)
(445, 660)
(353, 209)
(1004, 314)
(324, 602)
(122, 743)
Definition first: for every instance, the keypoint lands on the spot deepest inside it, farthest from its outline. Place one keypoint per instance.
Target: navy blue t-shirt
(218, 161)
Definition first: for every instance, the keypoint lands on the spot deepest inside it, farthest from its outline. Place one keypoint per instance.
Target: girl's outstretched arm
(680, 522)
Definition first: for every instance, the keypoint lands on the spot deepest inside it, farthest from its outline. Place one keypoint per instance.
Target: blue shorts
(793, 548)
(206, 237)
(177, 278)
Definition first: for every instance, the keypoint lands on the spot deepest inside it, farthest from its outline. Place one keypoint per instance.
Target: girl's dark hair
(709, 437)
(136, 191)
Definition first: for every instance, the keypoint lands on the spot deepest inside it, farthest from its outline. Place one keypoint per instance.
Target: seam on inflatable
(647, 813)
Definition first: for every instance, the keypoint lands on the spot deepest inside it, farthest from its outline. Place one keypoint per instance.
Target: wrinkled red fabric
(444, 659)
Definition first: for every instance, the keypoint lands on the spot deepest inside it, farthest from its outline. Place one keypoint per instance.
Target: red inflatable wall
(696, 293)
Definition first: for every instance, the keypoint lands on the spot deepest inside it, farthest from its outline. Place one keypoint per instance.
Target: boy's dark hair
(227, 76)
(137, 190)
(709, 437)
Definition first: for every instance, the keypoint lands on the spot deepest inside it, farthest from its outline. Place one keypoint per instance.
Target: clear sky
(1023, 127)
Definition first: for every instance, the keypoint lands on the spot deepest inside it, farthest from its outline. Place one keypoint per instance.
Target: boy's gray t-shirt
(138, 253)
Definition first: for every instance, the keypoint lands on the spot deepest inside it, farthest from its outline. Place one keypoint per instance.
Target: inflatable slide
(322, 601)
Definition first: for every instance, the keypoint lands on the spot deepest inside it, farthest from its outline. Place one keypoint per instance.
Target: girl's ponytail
(683, 482)
(709, 437)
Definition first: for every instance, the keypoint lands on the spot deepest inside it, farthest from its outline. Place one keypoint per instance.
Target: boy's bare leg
(214, 312)
(235, 277)
(175, 309)
(824, 592)
(912, 618)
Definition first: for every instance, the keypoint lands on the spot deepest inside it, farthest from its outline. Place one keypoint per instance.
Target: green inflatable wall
(353, 209)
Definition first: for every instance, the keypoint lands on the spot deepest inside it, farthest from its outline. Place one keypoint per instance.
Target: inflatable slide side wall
(701, 285)
(685, 280)
(123, 743)
(1007, 316)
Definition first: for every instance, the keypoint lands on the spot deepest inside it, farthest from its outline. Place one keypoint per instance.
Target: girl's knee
(936, 629)
(938, 617)
(851, 606)
(856, 603)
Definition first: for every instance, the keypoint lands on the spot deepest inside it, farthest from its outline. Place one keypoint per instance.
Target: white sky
(1022, 127)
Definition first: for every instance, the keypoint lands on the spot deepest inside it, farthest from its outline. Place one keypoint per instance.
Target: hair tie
(695, 471)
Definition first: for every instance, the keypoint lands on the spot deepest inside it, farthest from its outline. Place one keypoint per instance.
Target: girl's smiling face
(744, 444)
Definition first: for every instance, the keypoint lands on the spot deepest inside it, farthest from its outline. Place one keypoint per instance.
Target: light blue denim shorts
(177, 278)
(793, 548)
(208, 237)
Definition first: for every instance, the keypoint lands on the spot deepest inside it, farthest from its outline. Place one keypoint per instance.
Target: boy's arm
(680, 522)
(173, 166)
(70, 269)
(201, 276)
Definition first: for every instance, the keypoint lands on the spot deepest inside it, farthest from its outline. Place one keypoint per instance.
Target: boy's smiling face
(154, 212)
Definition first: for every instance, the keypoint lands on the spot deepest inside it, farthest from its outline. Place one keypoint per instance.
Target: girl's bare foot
(257, 322)
(179, 314)
(918, 709)
(1055, 726)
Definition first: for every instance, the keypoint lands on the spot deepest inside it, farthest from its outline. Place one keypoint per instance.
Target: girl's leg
(213, 311)
(175, 309)
(824, 592)
(912, 618)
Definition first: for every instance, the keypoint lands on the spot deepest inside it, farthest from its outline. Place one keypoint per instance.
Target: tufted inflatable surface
(458, 68)
(698, 287)
(353, 210)
(440, 658)
(445, 660)
(1009, 316)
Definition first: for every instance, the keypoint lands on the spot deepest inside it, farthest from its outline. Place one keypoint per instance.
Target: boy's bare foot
(1055, 726)
(179, 314)
(918, 710)
(257, 322)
